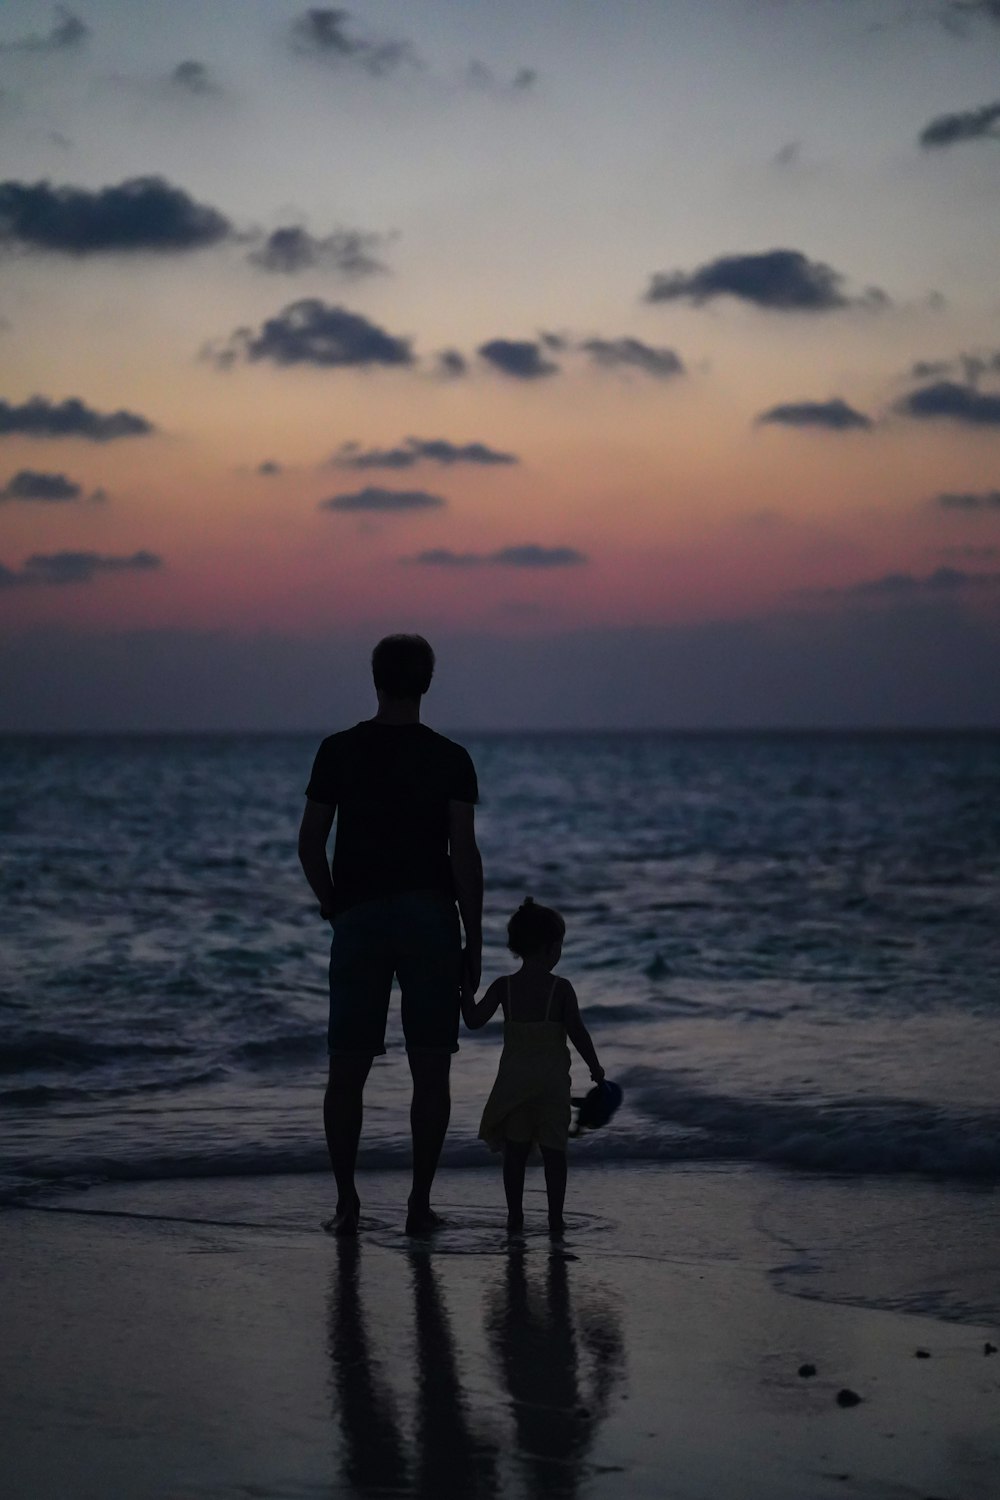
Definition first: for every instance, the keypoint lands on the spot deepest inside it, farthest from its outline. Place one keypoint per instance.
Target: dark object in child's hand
(596, 1108)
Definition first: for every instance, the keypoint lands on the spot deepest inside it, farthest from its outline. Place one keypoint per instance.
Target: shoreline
(174, 1340)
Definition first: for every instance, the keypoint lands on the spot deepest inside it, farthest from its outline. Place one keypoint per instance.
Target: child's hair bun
(534, 927)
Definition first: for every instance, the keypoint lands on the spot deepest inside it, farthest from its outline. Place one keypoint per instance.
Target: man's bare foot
(557, 1227)
(345, 1221)
(515, 1223)
(423, 1220)
(344, 1224)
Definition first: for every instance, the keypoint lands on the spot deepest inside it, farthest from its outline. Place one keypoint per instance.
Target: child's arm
(578, 1033)
(477, 1013)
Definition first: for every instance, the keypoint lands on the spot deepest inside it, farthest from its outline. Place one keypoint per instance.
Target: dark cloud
(627, 353)
(74, 567)
(949, 399)
(292, 248)
(960, 10)
(451, 364)
(140, 215)
(528, 555)
(973, 553)
(31, 484)
(910, 585)
(269, 467)
(40, 417)
(930, 369)
(963, 500)
(68, 32)
(518, 357)
(414, 450)
(972, 365)
(928, 661)
(194, 78)
(968, 125)
(835, 416)
(311, 332)
(783, 280)
(480, 76)
(324, 33)
(788, 155)
(383, 501)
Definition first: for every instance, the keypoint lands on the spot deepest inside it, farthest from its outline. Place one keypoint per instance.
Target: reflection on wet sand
(538, 1352)
(447, 1458)
(558, 1365)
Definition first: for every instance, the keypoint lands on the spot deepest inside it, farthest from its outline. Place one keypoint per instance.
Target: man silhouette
(405, 851)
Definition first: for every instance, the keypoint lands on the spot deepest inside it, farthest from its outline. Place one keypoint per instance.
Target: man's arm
(467, 873)
(314, 830)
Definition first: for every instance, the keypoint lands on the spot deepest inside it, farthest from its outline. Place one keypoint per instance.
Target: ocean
(786, 946)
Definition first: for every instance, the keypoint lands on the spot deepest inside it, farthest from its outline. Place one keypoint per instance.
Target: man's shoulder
(446, 746)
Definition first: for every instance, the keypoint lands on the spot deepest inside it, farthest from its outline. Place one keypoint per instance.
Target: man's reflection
(448, 1459)
(536, 1348)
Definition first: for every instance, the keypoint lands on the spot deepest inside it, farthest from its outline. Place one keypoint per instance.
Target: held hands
(597, 1074)
(472, 967)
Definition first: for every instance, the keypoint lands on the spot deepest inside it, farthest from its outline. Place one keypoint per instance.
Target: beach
(182, 1339)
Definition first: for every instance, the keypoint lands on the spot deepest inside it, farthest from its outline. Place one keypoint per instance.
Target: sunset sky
(645, 357)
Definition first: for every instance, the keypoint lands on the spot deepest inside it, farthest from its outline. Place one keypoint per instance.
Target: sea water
(786, 946)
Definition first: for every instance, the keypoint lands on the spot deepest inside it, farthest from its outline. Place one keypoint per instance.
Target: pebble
(806, 1370)
(848, 1398)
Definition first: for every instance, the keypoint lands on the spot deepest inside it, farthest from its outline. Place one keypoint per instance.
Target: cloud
(311, 332)
(40, 417)
(959, 500)
(518, 357)
(782, 280)
(478, 75)
(528, 555)
(633, 354)
(988, 9)
(925, 661)
(414, 450)
(949, 399)
(451, 364)
(969, 125)
(68, 32)
(291, 249)
(383, 501)
(323, 33)
(910, 585)
(141, 214)
(31, 484)
(194, 78)
(835, 416)
(56, 568)
(269, 467)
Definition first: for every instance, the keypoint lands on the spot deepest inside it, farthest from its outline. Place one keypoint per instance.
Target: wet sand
(205, 1338)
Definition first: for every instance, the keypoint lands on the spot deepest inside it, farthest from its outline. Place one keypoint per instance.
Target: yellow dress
(530, 1099)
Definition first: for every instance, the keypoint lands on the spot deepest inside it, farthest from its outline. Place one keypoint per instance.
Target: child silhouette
(530, 1100)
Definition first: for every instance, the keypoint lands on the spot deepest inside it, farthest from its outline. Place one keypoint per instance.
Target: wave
(887, 1137)
(53, 1049)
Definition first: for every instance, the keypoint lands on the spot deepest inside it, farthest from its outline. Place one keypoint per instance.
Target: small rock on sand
(806, 1370)
(848, 1398)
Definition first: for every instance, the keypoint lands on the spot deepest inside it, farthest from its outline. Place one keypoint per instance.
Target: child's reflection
(448, 1459)
(536, 1347)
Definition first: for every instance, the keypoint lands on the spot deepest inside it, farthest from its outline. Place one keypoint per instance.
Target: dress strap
(548, 1003)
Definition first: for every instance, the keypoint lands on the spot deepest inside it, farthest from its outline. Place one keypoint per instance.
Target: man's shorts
(414, 935)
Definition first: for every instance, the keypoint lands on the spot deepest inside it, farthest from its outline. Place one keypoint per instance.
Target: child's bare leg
(515, 1159)
(554, 1163)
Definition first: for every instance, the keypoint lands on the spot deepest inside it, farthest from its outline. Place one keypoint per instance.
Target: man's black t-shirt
(391, 785)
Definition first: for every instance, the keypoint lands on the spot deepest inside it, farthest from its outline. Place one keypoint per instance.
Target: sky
(645, 358)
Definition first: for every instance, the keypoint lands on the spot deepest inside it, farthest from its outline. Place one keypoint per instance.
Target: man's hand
(472, 966)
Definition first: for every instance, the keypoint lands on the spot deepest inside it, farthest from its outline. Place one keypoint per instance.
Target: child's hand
(597, 1074)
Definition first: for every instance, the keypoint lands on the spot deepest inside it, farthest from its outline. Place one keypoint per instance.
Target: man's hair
(402, 666)
(533, 928)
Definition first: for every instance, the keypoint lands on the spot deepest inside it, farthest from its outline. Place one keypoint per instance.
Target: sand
(193, 1339)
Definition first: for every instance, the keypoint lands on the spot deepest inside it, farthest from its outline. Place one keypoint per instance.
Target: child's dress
(530, 1099)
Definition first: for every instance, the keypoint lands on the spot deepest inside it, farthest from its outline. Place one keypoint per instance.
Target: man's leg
(343, 1108)
(429, 1115)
